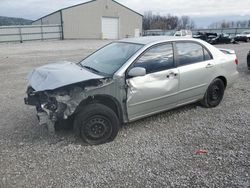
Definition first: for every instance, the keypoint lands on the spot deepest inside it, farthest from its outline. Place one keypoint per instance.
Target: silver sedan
(128, 80)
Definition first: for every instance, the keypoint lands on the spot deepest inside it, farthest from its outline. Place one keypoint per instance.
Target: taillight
(236, 61)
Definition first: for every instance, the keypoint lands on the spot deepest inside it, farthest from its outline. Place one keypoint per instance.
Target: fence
(230, 31)
(30, 32)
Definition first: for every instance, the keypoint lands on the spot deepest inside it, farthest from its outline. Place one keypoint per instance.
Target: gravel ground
(159, 151)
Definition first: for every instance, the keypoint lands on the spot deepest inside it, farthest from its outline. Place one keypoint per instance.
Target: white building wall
(84, 21)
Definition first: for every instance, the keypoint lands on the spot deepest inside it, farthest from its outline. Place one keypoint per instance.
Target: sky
(196, 9)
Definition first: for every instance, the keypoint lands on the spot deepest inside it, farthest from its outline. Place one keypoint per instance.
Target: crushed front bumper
(43, 115)
(44, 119)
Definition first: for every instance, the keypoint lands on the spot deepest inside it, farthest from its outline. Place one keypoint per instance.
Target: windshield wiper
(92, 69)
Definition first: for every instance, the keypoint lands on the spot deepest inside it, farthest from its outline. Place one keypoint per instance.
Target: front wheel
(96, 124)
(214, 94)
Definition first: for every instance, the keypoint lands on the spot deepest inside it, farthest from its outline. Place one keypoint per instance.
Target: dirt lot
(159, 151)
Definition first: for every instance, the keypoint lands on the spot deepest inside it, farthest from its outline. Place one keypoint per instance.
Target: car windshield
(110, 58)
(178, 34)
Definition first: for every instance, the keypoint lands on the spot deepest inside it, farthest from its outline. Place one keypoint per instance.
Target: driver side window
(157, 59)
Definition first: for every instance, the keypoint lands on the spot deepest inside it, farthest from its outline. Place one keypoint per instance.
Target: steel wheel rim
(97, 128)
(215, 93)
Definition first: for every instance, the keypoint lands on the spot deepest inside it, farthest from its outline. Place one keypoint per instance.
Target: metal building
(96, 19)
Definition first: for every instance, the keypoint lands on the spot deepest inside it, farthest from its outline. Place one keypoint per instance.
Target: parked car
(128, 80)
(248, 60)
(200, 35)
(221, 38)
(183, 33)
(205, 36)
(244, 36)
(169, 33)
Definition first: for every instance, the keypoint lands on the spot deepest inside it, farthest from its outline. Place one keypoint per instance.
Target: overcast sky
(33, 9)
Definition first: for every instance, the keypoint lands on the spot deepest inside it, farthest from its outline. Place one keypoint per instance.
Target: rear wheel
(96, 124)
(214, 94)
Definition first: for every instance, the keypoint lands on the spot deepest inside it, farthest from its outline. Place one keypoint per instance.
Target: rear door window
(189, 53)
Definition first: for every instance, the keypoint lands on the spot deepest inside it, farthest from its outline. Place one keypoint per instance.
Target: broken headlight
(49, 104)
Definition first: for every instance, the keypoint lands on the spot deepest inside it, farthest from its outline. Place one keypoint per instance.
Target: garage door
(110, 27)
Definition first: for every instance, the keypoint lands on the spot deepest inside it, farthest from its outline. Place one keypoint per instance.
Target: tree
(230, 24)
(168, 22)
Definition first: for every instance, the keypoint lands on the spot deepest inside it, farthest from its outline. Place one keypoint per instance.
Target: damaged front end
(61, 103)
(46, 107)
(56, 90)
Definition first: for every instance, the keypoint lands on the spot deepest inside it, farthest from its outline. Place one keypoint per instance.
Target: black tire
(214, 94)
(96, 124)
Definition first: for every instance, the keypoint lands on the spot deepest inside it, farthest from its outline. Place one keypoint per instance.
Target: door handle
(209, 65)
(172, 74)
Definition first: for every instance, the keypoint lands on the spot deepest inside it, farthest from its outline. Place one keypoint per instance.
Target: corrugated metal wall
(30, 32)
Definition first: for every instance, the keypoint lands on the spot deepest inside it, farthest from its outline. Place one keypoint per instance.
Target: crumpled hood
(53, 76)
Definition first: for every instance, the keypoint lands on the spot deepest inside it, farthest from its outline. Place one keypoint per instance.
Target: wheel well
(224, 80)
(106, 100)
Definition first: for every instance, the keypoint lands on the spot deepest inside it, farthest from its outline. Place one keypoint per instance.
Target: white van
(183, 33)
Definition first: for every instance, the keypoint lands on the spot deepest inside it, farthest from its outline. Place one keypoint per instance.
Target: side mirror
(137, 71)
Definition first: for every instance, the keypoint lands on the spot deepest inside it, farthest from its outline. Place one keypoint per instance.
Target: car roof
(155, 39)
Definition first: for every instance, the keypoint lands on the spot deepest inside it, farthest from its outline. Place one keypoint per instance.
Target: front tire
(214, 94)
(96, 124)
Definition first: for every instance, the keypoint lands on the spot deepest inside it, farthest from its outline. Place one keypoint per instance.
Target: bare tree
(168, 22)
(172, 22)
(230, 24)
(185, 22)
(147, 20)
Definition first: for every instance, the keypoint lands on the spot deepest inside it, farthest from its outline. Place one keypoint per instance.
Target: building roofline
(127, 8)
(46, 16)
(64, 9)
(78, 5)
(83, 4)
